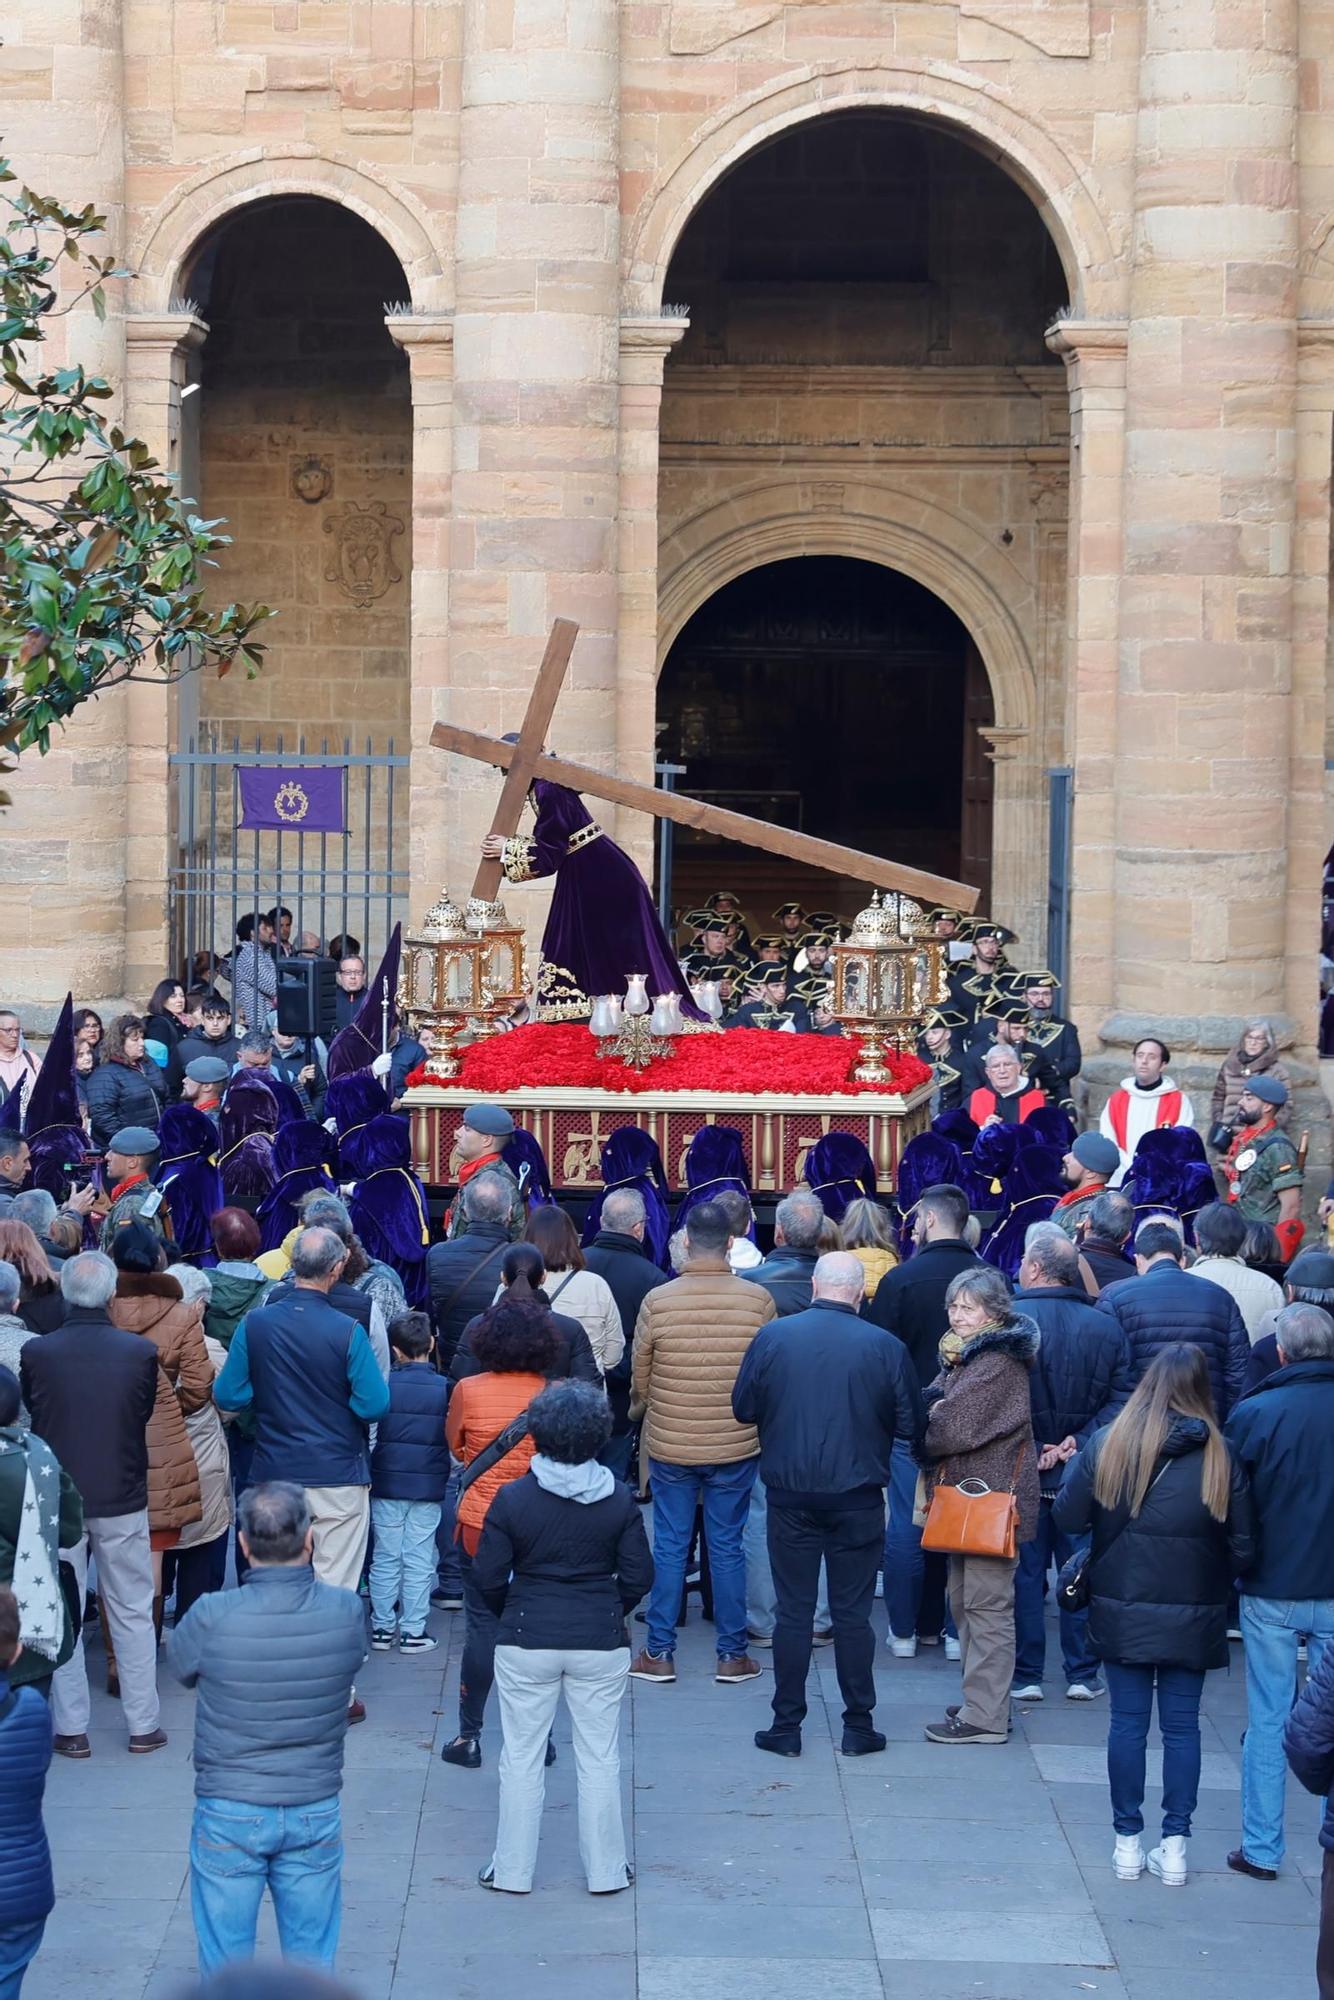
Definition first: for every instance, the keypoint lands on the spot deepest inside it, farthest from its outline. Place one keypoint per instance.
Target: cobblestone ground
(923, 1874)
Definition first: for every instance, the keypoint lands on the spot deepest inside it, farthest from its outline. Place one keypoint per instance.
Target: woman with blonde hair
(869, 1234)
(1172, 1525)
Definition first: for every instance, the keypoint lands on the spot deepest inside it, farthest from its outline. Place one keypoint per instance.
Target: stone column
(62, 847)
(1307, 835)
(158, 348)
(1094, 353)
(428, 343)
(1206, 596)
(645, 344)
(535, 385)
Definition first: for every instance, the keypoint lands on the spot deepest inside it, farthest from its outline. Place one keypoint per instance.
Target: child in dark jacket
(409, 1474)
(27, 1894)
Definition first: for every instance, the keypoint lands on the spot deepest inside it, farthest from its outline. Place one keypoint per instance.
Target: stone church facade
(500, 310)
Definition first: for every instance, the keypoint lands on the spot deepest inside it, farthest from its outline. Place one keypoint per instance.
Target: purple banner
(302, 798)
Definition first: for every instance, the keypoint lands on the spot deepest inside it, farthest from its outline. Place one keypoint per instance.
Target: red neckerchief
(1247, 1136)
(123, 1187)
(466, 1172)
(1085, 1193)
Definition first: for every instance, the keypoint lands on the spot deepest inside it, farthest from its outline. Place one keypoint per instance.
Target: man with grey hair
(308, 1373)
(1079, 1381)
(1101, 1235)
(38, 1209)
(618, 1254)
(828, 1394)
(378, 1295)
(272, 1666)
(462, 1273)
(90, 1388)
(1282, 1434)
(787, 1274)
(1008, 1096)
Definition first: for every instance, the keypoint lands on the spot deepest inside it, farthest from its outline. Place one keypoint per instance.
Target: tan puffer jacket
(689, 1341)
(155, 1307)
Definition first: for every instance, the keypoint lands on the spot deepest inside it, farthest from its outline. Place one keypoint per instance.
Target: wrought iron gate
(331, 882)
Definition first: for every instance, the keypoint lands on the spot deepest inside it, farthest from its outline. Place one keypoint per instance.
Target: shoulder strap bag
(972, 1519)
(1074, 1586)
(514, 1433)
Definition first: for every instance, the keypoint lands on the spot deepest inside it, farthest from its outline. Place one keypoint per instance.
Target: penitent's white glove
(382, 1065)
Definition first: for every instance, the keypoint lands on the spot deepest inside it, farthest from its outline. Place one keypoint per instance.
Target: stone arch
(166, 238)
(936, 547)
(1057, 182)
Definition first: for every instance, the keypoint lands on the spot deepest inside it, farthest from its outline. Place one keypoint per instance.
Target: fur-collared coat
(154, 1306)
(979, 1423)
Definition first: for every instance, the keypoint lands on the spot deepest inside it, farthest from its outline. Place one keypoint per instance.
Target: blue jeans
(616, 1454)
(237, 1849)
(1272, 1629)
(403, 1563)
(18, 1948)
(1049, 1546)
(904, 1565)
(1130, 1693)
(724, 1493)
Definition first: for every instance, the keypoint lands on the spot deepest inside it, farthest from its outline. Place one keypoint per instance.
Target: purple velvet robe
(633, 1159)
(602, 923)
(247, 1122)
(715, 1161)
(388, 1204)
(928, 1161)
(187, 1173)
(839, 1169)
(1033, 1186)
(528, 1163)
(301, 1155)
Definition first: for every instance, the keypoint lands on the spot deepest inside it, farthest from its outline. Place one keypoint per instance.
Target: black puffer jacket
(120, 1094)
(1309, 1739)
(1081, 1377)
(1168, 1304)
(788, 1276)
(630, 1271)
(1160, 1582)
(462, 1275)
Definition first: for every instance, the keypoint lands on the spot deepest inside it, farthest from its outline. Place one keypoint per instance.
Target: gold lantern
(459, 974)
(501, 963)
(887, 972)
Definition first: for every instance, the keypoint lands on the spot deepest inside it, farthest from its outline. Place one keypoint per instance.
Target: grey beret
(133, 1139)
(1099, 1155)
(207, 1069)
(1267, 1088)
(491, 1120)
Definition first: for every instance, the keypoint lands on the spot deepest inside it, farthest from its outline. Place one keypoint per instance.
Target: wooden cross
(525, 760)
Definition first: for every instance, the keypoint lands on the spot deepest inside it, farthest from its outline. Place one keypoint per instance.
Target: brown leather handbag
(971, 1519)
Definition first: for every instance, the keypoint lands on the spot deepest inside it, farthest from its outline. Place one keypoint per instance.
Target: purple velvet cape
(631, 1158)
(528, 1163)
(300, 1164)
(1170, 1172)
(388, 1204)
(715, 1162)
(1033, 1186)
(247, 1122)
(602, 923)
(1052, 1126)
(187, 1173)
(994, 1154)
(927, 1161)
(839, 1169)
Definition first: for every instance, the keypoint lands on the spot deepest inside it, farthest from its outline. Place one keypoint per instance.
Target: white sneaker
(903, 1649)
(1128, 1857)
(1168, 1860)
(953, 1650)
(1032, 1692)
(1083, 1691)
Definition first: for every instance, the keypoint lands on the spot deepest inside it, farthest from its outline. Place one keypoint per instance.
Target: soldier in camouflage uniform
(479, 1148)
(1263, 1174)
(129, 1163)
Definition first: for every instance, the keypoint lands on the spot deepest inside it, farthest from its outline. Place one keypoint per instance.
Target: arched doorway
(300, 436)
(838, 697)
(866, 370)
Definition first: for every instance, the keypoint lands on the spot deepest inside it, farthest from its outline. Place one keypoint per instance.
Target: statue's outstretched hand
(493, 847)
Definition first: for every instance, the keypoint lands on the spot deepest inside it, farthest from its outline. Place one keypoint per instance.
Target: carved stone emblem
(362, 562)
(312, 480)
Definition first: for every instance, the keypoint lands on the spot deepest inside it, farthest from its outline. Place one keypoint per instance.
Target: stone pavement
(923, 1874)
